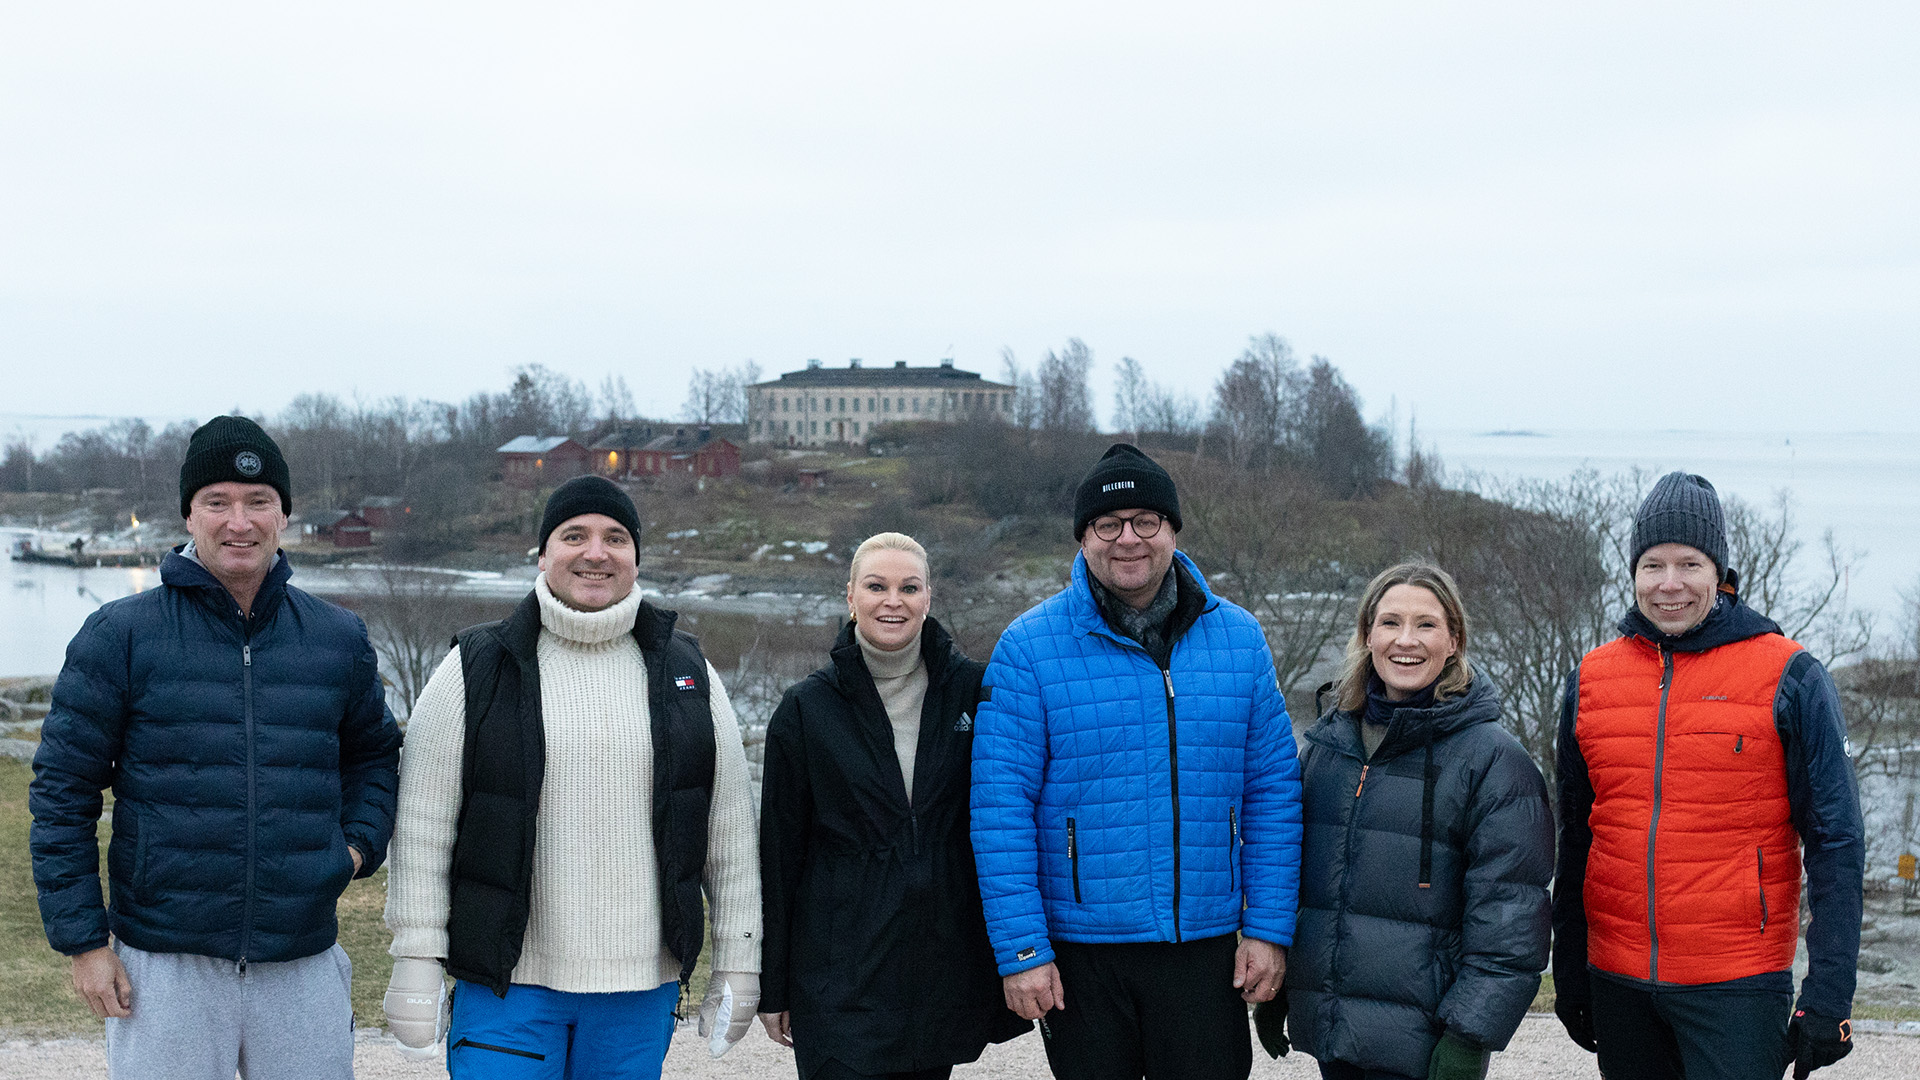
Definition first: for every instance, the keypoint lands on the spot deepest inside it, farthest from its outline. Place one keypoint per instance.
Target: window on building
(786, 404)
(856, 404)
(843, 404)
(856, 423)
(886, 404)
(869, 404)
(916, 404)
(815, 426)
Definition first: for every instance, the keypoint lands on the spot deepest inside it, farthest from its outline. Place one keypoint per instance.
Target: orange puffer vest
(1694, 876)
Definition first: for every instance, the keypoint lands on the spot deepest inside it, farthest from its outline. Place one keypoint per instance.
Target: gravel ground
(1540, 1052)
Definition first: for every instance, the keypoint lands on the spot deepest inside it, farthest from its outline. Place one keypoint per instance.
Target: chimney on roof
(706, 432)
(947, 362)
(899, 363)
(854, 363)
(813, 365)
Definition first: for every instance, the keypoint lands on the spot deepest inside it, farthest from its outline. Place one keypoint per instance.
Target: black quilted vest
(501, 770)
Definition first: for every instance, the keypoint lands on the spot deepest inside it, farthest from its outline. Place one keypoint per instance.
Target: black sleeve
(1825, 806)
(1576, 840)
(786, 819)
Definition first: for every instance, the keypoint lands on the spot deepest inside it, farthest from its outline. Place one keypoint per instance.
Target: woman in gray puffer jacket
(1424, 917)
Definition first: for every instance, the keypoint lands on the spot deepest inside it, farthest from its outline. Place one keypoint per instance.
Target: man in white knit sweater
(573, 781)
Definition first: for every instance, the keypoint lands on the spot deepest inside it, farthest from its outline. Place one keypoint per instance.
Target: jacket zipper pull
(1363, 778)
(246, 655)
(1168, 676)
(241, 967)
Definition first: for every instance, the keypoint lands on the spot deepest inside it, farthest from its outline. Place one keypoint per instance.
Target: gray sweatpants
(199, 1018)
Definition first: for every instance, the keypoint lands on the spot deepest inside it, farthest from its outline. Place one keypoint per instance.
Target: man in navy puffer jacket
(1136, 802)
(243, 729)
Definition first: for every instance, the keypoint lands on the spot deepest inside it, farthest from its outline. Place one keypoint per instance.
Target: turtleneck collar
(585, 627)
(1380, 710)
(890, 665)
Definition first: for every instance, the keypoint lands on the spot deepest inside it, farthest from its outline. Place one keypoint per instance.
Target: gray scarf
(1148, 625)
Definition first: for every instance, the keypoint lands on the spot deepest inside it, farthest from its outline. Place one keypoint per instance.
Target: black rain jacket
(875, 940)
(1382, 964)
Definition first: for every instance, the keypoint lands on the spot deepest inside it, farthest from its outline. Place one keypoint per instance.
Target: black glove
(1817, 1041)
(1574, 1006)
(1270, 1023)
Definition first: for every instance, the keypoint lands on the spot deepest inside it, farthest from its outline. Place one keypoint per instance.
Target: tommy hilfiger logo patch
(684, 682)
(965, 723)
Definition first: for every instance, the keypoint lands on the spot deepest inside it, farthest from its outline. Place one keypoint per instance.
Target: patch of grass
(36, 986)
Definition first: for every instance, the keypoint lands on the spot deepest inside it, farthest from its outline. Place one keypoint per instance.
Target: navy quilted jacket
(1116, 802)
(242, 765)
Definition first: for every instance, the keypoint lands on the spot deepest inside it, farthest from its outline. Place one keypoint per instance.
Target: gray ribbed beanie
(1682, 509)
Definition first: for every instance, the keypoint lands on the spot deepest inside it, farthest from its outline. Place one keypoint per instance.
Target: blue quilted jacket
(244, 759)
(1116, 802)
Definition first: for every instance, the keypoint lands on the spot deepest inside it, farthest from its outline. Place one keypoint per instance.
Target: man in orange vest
(1702, 761)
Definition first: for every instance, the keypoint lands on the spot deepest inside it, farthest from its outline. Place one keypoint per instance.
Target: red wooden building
(540, 460)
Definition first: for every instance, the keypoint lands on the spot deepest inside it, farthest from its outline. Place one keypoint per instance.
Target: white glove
(416, 1005)
(733, 997)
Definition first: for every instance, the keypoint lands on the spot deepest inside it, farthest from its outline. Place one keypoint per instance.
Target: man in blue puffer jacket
(1136, 801)
(243, 729)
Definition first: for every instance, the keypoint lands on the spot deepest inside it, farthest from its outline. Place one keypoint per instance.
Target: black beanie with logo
(233, 448)
(588, 495)
(1682, 509)
(1124, 479)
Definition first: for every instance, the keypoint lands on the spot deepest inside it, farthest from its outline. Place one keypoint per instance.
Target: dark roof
(941, 377)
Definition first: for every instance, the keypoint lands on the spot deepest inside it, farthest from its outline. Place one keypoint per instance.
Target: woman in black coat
(876, 961)
(1424, 918)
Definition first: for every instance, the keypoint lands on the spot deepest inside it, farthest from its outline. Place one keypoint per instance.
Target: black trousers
(1690, 1034)
(834, 1069)
(1158, 1010)
(1340, 1070)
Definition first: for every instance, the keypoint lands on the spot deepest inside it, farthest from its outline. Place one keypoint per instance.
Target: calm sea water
(1863, 486)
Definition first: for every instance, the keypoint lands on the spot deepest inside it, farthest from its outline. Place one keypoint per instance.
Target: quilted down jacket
(245, 755)
(1656, 815)
(1116, 801)
(1381, 965)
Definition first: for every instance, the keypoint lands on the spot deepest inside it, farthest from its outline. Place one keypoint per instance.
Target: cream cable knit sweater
(901, 678)
(595, 919)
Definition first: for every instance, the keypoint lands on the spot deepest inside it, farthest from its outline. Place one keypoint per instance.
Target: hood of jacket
(1411, 729)
(1728, 622)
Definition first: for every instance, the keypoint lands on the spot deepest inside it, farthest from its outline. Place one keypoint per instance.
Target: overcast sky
(1498, 215)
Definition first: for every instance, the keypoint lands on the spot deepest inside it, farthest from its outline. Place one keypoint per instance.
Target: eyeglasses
(1145, 526)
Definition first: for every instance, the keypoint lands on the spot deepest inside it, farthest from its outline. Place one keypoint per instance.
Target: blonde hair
(889, 541)
(1357, 668)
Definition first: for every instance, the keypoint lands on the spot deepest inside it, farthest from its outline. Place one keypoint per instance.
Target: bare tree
(719, 395)
(411, 619)
(1130, 390)
(1254, 399)
(1066, 403)
(1026, 397)
(1810, 608)
(1277, 547)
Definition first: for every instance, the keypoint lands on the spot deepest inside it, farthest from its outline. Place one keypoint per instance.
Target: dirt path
(1540, 1052)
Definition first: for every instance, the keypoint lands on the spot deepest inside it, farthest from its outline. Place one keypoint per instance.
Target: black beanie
(1124, 479)
(588, 495)
(232, 448)
(1682, 509)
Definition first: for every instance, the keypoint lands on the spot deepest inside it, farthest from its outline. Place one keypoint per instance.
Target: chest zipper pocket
(1073, 858)
(1233, 849)
(1760, 871)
